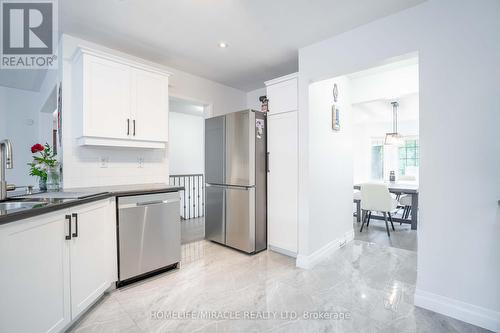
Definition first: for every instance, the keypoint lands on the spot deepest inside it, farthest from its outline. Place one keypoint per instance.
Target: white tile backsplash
(82, 166)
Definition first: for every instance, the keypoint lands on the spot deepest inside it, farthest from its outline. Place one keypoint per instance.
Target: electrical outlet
(103, 161)
(140, 162)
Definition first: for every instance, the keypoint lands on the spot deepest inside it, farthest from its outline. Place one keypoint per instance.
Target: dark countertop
(80, 196)
(126, 190)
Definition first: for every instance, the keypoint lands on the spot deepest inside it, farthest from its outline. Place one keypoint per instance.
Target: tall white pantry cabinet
(282, 134)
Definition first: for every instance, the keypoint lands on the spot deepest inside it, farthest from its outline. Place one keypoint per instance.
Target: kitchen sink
(15, 205)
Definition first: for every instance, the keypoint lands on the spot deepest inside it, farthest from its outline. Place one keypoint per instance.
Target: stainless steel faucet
(6, 162)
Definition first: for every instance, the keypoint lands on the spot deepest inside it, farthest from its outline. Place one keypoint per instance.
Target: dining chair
(405, 201)
(375, 197)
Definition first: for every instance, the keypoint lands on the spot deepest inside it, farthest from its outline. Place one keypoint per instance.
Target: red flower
(36, 148)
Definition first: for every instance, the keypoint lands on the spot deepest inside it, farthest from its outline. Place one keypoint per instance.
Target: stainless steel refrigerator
(236, 171)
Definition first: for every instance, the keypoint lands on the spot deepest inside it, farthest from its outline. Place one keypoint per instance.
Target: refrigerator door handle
(268, 154)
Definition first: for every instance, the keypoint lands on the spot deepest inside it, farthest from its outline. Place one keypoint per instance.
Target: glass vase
(42, 184)
(53, 179)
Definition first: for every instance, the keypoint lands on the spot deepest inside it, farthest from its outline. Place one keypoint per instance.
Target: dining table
(398, 188)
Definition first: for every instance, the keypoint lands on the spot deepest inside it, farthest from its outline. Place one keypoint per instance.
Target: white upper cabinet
(107, 107)
(283, 94)
(150, 107)
(118, 102)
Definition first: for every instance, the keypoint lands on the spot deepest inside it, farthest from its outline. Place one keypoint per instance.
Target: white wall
(48, 91)
(387, 84)
(253, 98)
(81, 166)
(22, 123)
(330, 169)
(19, 123)
(186, 107)
(459, 67)
(186, 143)
(46, 106)
(45, 127)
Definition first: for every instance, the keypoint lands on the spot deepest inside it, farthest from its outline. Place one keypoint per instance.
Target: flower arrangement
(42, 161)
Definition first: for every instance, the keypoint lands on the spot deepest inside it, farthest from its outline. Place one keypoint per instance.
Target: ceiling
(374, 89)
(25, 79)
(381, 110)
(263, 35)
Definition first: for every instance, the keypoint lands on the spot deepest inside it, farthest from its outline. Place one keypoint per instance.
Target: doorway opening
(365, 126)
(385, 145)
(187, 163)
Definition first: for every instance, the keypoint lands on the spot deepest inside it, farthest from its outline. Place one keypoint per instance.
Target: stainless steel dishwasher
(149, 235)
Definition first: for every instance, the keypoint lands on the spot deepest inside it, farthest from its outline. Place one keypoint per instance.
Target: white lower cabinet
(92, 254)
(34, 275)
(47, 280)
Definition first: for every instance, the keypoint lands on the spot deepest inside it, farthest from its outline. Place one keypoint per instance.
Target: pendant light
(394, 138)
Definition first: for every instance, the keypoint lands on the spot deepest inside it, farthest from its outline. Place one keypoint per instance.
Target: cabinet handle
(133, 122)
(267, 161)
(68, 236)
(75, 215)
(128, 126)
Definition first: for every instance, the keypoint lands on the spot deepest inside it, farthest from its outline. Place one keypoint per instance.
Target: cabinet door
(34, 275)
(107, 102)
(93, 253)
(150, 110)
(282, 181)
(283, 96)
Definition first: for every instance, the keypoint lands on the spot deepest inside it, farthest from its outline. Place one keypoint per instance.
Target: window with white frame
(409, 157)
(377, 159)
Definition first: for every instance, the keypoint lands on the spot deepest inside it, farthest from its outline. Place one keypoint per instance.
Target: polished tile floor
(402, 238)
(363, 287)
(192, 230)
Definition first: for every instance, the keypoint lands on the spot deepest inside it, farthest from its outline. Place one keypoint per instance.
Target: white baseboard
(283, 251)
(309, 261)
(466, 312)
